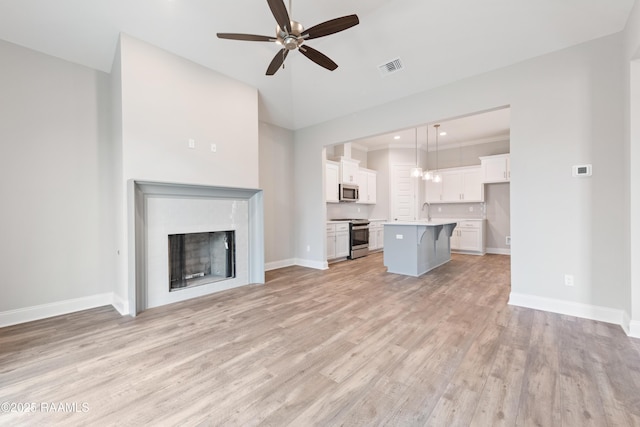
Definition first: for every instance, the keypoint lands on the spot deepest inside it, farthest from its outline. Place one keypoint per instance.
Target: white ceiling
(438, 41)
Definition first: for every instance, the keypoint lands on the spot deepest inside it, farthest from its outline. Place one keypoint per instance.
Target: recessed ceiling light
(396, 137)
(443, 133)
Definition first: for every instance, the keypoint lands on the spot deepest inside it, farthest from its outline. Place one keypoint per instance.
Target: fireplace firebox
(201, 258)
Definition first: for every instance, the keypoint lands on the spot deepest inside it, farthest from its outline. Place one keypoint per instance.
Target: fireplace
(220, 230)
(199, 258)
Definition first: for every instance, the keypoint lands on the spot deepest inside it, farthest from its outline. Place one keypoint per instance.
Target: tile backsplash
(455, 210)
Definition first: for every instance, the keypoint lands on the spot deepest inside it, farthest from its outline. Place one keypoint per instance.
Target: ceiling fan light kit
(291, 35)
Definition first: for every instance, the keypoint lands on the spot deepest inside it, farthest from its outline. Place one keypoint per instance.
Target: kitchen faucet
(428, 205)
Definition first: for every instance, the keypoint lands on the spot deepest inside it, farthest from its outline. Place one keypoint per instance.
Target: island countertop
(432, 223)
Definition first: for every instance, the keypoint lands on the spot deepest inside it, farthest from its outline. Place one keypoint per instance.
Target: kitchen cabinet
(496, 168)
(468, 237)
(367, 185)
(349, 171)
(332, 176)
(433, 191)
(457, 185)
(337, 240)
(376, 235)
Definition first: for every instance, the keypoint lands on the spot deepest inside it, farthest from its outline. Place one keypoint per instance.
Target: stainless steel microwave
(348, 192)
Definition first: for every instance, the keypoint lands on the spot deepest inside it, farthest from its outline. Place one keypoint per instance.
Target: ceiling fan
(292, 35)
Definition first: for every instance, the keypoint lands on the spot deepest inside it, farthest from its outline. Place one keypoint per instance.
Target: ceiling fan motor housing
(292, 40)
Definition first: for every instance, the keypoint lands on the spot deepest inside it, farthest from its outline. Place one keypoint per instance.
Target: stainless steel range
(358, 237)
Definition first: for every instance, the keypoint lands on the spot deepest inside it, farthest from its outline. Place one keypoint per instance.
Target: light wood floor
(352, 345)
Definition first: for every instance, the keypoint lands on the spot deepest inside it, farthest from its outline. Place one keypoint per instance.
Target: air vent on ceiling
(390, 67)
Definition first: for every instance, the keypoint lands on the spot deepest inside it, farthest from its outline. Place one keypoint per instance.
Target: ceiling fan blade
(331, 27)
(319, 58)
(279, 11)
(246, 37)
(277, 62)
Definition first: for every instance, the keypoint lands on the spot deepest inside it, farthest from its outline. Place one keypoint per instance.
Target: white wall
(277, 182)
(167, 100)
(55, 184)
(567, 108)
(631, 65)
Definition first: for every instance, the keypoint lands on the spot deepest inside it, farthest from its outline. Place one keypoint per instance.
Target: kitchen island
(413, 248)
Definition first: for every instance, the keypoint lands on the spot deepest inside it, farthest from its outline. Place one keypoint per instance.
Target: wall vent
(390, 67)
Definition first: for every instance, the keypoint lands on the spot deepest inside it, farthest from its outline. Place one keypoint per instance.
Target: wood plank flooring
(350, 346)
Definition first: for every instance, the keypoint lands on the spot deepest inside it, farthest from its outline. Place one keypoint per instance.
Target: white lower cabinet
(468, 237)
(337, 240)
(376, 235)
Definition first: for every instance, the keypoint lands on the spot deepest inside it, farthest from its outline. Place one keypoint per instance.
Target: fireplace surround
(158, 210)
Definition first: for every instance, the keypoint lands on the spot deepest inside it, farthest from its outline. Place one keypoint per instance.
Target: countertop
(333, 221)
(432, 223)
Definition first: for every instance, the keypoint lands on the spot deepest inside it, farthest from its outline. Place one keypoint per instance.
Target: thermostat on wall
(581, 170)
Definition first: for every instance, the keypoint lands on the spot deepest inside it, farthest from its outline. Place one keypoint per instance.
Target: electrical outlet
(439, 209)
(568, 279)
(470, 208)
(192, 143)
(214, 148)
(508, 240)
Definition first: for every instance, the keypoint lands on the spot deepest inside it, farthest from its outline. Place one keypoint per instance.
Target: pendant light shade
(416, 172)
(436, 176)
(427, 175)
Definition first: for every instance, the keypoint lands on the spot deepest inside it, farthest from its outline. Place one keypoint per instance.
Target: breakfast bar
(413, 248)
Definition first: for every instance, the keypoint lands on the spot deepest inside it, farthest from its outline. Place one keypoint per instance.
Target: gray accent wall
(498, 214)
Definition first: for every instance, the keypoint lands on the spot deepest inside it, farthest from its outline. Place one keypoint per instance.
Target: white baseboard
(585, 311)
(120, 304)
(498, 251)
(28, 314)
(274, 265)
(318, 265)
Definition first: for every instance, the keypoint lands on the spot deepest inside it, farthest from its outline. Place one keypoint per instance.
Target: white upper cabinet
(451, 185)
(433, 191)
(472, 189)
(349, 171)
(367, 185)
(332, 176)
(496, 168)
(458, 185)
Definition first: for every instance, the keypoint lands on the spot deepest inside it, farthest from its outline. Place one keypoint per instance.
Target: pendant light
(416, 172)
(436, 176)
(427, 175)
